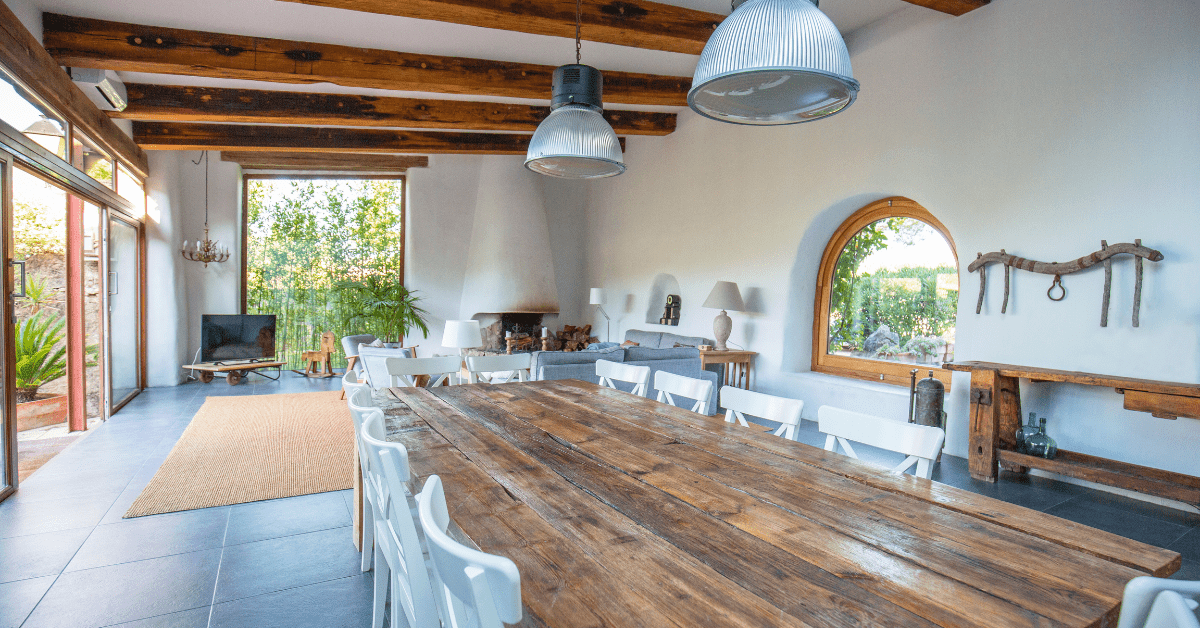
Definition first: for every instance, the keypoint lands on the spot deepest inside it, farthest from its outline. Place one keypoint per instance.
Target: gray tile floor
(68, 559)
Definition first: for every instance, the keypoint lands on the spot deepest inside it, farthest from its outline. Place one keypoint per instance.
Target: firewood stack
(573, 338)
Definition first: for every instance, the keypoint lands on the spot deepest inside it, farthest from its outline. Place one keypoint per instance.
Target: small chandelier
(205, 250)
(575, 141)
(773, 62)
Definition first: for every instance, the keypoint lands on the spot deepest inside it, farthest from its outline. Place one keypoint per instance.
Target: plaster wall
(1038, 126)
(166, 290)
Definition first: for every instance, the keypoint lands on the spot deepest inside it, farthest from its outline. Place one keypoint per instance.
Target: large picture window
(887, 295)
(308, 241)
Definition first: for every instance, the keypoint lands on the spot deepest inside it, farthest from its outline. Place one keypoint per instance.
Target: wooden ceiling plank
(172, 103)
(635, 23)
(21, 53)
(325, 162)
(136, 48)
(236, 137)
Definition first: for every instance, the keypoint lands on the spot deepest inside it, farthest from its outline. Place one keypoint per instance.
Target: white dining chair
(351, 385)
(404, 371)
(669, 384)
(362, 406)
(399, 560)
(472, 588)
(512, 366)
(920, 443)
(739, 402)
(1144, 605)
(610, 372)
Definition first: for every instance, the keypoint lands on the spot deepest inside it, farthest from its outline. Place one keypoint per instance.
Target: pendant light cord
(578, 19)
(204, 156)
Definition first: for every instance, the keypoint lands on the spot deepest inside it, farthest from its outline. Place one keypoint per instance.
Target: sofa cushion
(543, 358)
(642, 354)
(644, 338)
(671, 340)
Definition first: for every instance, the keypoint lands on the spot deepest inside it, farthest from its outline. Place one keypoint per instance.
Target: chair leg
(383, 577)
(368, 535)
(398, 618)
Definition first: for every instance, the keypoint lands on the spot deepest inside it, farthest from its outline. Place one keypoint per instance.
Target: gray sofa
(658, 352)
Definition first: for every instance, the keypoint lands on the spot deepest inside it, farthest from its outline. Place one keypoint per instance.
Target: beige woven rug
(244, 449)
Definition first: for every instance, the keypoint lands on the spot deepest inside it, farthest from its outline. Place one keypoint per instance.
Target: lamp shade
(597, 297)
(462, 335)
(575, 142)
(773, 62)
(725, 296)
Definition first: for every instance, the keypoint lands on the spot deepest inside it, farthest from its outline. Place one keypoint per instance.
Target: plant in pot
(380, 305)
(924, 346)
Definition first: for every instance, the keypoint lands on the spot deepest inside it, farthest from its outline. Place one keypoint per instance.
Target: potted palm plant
(380, 305)
(41, 358)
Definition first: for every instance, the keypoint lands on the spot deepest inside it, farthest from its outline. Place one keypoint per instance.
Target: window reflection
(20, 109)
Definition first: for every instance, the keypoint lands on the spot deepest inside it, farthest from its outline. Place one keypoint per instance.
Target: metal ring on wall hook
(1057, 284)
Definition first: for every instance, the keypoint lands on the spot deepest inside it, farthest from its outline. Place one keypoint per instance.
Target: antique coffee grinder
(925, 401)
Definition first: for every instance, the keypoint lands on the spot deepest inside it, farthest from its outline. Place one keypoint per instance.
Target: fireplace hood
(510, 268)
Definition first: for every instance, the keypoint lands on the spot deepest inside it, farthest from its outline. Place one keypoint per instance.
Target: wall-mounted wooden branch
(1103, 256)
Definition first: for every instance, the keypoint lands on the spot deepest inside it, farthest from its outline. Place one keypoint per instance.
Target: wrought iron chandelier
(205, 250)
(575, 141)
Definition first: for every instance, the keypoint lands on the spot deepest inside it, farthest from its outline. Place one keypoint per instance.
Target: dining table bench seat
(622, 511)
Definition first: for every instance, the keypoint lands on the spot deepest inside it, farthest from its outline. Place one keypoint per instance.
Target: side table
(738, 371)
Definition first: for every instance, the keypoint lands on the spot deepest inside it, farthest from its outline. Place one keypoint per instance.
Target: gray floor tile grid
(68, 559)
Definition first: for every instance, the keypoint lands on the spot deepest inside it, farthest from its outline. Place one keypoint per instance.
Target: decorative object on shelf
(575, 141)
(671, 311)
(724, 296)
(1103, 256)
(1040, 444)
(1025, 431)
(597, 299)
(205, 250)
(773, 62)
(322, 356)
(462, 335)
(926, 399)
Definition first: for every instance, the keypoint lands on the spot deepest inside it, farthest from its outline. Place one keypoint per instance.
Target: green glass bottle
(1040, 444)
(1025, 431)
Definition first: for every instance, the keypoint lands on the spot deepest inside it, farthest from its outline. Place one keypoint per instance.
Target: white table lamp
(597, 299)
(724, 296)
(462, 335)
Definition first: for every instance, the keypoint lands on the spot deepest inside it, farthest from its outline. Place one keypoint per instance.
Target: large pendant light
(575, 141)
(773, 62)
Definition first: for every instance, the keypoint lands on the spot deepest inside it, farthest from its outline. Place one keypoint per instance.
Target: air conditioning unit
(102, 87)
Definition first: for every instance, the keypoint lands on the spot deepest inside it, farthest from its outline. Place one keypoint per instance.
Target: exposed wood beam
(172, 103)
(135, 48)
(331, 162)
(21, 53)
(953, 7)
(181, 136)
(635, 23)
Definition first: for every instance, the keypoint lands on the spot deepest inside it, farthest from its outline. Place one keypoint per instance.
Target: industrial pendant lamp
(575, 141)
(773, 62)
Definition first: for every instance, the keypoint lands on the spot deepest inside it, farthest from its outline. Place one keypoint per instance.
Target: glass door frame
(8, 361)
(112, 405)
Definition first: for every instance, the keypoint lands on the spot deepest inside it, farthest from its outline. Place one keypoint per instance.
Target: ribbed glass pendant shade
(773, 62)
(575, 142)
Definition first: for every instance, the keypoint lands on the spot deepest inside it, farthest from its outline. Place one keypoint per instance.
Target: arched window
(887, 295)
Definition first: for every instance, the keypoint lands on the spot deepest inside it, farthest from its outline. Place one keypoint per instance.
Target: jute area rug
(245, 449)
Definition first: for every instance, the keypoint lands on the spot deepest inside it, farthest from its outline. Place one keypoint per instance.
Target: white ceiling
(289, 20)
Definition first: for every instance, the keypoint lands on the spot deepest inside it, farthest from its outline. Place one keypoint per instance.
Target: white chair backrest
(1143, 594)
(669, 384)
(609, 372)
(468, 584)
(739, 402)
(404, 370)
(357, 391)
(395, 527)
(1172, 610)
(372, 363)
(517, 365)
(921, 443)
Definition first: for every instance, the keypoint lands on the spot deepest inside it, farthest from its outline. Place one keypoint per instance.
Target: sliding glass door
(122, 281)
(8, 422)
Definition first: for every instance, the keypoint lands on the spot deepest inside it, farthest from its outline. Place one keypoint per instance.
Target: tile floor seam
(220, 562)
(291, 588)
(129, 621)
(284, 536)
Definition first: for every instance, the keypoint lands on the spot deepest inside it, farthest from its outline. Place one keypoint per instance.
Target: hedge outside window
(887, 295)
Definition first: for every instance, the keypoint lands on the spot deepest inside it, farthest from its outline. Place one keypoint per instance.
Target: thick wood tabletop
(621, 511)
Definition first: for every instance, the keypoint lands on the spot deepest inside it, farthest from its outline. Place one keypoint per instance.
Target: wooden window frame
(895, 373)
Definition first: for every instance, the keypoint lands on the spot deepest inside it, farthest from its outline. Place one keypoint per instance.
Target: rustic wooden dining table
(622, 511)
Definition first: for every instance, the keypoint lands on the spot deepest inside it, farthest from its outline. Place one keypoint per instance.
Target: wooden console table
(234, 372)
(738, 371)
(996, 415)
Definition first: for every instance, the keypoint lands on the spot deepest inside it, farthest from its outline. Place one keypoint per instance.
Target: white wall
(214, 289)
(166, 289)
(1038, 126)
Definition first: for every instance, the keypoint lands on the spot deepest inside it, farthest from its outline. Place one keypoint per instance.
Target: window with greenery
(887, 295)
(322, 254)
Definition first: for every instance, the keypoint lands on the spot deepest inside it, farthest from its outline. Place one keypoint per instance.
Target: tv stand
(235, 370)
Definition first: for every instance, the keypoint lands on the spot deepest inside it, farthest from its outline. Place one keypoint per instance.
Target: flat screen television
(225, 337)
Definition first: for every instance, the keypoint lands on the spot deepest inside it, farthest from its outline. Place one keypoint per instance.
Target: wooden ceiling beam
(325, 162)
(237, 137)
(172, 103)
(21, 53)
(953, 7)
(86, 42)
(635, 23)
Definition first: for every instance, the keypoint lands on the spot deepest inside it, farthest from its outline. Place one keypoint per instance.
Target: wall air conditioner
(102, 87)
